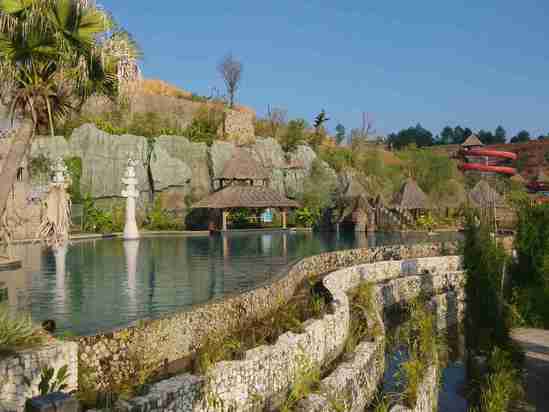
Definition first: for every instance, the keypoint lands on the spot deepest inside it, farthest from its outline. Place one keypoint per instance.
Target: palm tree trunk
(19, 147)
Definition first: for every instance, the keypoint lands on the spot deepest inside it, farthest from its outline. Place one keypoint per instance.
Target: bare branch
(230, 70)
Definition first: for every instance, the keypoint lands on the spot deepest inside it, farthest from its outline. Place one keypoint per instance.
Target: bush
(98, 220)
(205, 125)
(160, 219)
(17, 330)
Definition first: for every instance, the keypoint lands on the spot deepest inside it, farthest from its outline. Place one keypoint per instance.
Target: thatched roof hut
(411, 197)
(453, 196)
(243, 166)
(472, 141)
(254, 197)
(518, 178)
(483, 196)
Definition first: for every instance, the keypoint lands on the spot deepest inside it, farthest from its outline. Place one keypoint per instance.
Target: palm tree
(54, 54)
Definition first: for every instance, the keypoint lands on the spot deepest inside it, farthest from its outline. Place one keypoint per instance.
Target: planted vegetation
(18, 331)
(309, 302)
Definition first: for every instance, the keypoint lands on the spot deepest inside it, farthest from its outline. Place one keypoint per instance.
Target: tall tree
(340, 133)
(413, 135)
(53, 55)
(446, 136)
(522, 137)
(486, 137)
(500, 135)
(230, 70)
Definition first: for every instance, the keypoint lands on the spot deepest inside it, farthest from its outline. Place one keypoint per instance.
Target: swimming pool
(97, 285)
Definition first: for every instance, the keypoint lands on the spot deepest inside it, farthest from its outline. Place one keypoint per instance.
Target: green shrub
(17, 330)
(51, 382)
(306, 217)
(74, 168)
(98, 220)
(161, 219)
(205, 125)
(502, 386)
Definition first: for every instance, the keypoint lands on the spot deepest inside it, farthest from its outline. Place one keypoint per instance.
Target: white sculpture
(56, 219)
(131, 194)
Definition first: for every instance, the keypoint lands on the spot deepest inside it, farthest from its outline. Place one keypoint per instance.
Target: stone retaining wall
(264, 377)
(20, 372)
(176, 336)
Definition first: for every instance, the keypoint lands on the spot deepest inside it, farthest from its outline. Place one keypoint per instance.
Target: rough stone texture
(353, 383)
(180, 168)
(172, 395)
(179, 335)
(239, 127)
(17, 370)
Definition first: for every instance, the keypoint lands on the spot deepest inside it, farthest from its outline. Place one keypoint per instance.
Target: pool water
(98, 285)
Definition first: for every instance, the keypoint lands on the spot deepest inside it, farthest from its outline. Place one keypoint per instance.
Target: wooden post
(284, 219)
(224, 215)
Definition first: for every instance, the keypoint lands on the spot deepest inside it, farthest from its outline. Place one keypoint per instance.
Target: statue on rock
(131, 194)
(56, 219)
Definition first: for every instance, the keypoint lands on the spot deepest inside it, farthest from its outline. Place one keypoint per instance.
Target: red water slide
(491, 159)
(490, 153)
(491, 169)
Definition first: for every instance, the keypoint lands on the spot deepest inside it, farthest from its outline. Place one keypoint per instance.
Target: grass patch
(422, 346)
(364, 322)
(501, 388)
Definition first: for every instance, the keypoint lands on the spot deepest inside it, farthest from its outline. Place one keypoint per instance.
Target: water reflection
(100, 284)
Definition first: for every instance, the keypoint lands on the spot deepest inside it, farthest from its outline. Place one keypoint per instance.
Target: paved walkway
(535, 343)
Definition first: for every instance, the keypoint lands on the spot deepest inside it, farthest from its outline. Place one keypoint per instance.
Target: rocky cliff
(182, 171)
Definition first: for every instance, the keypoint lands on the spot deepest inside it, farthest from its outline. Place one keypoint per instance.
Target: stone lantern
(131, 194)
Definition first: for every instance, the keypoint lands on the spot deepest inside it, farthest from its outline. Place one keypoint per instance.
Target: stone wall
(239, 127)
(182, 171)
(177, 336)
(20, 372)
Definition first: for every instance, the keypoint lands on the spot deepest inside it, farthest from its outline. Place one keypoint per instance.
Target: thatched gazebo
(244, 183)
(484, 196)
(471, 142)
(411, 197)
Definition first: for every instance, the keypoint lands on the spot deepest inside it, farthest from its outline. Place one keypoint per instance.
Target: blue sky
(473, 63)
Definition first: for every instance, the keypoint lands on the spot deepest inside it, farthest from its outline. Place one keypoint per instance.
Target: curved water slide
(491, 159)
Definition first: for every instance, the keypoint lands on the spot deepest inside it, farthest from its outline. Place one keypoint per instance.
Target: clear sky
(474, 63)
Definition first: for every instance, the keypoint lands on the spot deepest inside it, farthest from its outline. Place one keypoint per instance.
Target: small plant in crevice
(306, 382)
(51, 382)
(365, 322)
(422, 346)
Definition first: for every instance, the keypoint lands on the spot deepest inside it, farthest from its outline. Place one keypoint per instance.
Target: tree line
(422, 137)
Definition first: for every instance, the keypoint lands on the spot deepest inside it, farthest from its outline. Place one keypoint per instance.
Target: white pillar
(131, 194)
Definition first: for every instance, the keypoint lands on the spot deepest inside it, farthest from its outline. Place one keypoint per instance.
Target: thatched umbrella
(483, 196)
(518, 179)
(411, 197)
(454, 195)
(472, 141)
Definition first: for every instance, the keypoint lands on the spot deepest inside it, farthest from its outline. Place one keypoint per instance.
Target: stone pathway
(535, 343)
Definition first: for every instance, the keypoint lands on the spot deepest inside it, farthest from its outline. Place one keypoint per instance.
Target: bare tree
(365, 131)
(276, 118)
(230, 70)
